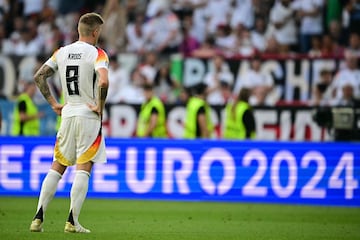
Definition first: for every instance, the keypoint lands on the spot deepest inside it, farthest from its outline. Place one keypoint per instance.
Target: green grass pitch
(172, 220)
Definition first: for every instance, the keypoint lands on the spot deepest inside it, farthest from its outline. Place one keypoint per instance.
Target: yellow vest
(145, 115)
(192, 108)
(234, 125)
(31, 127)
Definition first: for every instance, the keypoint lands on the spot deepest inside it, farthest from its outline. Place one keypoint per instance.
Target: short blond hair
(88, 23)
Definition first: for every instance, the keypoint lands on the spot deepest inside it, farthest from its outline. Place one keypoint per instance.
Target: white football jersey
(76, 64)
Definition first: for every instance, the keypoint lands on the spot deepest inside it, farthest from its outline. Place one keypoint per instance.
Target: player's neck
(88, 40)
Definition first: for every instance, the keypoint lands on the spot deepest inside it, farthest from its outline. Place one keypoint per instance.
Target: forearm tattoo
(40, 79)
(103, 93)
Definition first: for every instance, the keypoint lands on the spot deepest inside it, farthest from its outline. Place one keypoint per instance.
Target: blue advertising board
(198, 170)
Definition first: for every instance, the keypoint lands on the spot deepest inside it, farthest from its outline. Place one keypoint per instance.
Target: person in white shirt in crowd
(113, 32)
(135, 35)
(163, 32)
(322, 93)
(311, 20)
(260, 83)
(354, 43)
(244, 45)
(258, 34)
(33, 7)
(282, 25)
(165, 84)
(31, 43)
(132, 93)
(217, 79)
(225, 40)
(199, 20)
(347, 76)
(118, 79)
(243, 14)
(218, 12)
(148, 68)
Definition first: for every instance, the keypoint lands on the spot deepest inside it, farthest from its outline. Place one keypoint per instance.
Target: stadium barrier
(197, 170)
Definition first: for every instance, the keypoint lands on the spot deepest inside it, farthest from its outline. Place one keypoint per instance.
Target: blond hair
(88, 23)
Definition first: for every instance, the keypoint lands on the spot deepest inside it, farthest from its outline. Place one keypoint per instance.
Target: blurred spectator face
(272, 45)
(348, 91)
(354, 41)
(137, 78)
(335, 28)
(351, 60)
(285, 3)
(256, 64)
(218, 62)
(148, 93)
(260, 25)
(327, 42)
(151, 58)
(326, 76)
(315, 43)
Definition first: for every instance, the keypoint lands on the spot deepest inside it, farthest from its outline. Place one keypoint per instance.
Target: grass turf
(135, 219)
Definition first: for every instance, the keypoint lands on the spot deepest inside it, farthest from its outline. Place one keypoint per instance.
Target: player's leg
(47, 192)
(78, 193)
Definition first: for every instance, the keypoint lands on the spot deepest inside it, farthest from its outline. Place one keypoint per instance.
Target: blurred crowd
(215, 29)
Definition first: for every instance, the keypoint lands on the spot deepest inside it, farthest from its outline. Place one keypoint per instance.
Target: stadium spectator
(330, 48)
(32, 42)
(207, 49)
(151, 120)
(283, 26)
(115, 26)
(33, 8)
(217, 79)
(316, 47)
(135, 35)
(118, 79)
(132, 93)
(217, 13)
(163, 33)
(244, 45)
(239, 117)
(348, 76)
(322, 94)
(189, 42)
(53, 37)
(351, 16)
(243, 15)
(198, 123)
(226, 40)
(199, 20)
(336, 32)
(26, 115)
(260, 84)
(258, 34)
(354, 43)
(76, 143)
(165, 84)
(310, 16)
(148, 69)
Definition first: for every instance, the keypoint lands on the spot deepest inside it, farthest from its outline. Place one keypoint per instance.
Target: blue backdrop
(200, 170)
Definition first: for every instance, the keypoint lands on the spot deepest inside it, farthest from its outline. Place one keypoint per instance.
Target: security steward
(151, 120)
(239, 118)
(198, 122)
(26, 115)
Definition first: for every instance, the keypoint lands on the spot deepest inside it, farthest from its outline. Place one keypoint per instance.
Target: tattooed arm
(41, 81)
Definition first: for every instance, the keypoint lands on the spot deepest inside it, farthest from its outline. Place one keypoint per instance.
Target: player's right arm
(40, 78)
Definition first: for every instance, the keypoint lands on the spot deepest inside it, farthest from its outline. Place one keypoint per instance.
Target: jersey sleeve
(51, 62)
(102, 60)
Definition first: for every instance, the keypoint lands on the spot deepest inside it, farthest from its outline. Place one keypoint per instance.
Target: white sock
(48, 189)
(78, 193)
